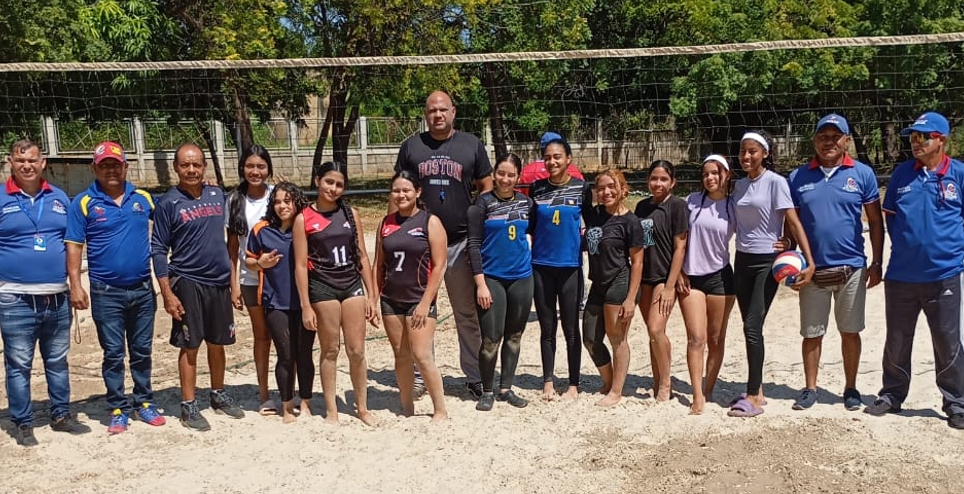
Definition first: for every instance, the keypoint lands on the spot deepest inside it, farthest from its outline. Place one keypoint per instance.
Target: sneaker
(67, 423)
(475, 388)
(25, 436)
(956, 420)
(148, 414)
(222, 402)
(485, 402)
(806, 400)
(118, 422)
(418, 391)
(851, 399)
(191, 417)
(881, 407)
(513, 399)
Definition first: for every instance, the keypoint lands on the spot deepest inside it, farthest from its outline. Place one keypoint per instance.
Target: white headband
(719, 159)
(753, 136)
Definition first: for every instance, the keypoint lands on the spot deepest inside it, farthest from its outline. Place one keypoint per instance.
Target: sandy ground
(638, 446)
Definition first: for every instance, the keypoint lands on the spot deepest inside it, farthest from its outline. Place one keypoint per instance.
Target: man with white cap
(112, 218)
(830, 193)
(925, 219)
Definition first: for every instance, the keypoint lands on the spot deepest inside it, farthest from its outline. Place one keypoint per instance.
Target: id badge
(39, 243)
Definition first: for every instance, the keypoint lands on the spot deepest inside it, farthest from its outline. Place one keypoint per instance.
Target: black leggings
(291, 351)
(755, 289)
(554, 284)
(504, 321)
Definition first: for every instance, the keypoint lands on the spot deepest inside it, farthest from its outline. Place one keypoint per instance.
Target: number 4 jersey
(331, 256)
(408, 257)
(556, 239)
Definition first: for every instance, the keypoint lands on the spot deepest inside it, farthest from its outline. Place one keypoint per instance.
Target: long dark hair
(666, 165)
(336, 166)
(298, 202)
(407, 175)
(237, 222)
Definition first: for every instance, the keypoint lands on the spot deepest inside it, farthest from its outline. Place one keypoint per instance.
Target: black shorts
(392, 308)
(320, 292)
(250, 296)
(612, 293)
(208, 314)
(718, 283)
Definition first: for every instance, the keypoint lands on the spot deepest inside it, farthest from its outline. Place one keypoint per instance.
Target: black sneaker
(25, 436)
(881, 407)
(851, 399)
(68, 424)
(485, 402)
(222, 402)
(955, 420)
(475, 388)
(513, 399)
(191, 417)
(418, 391)
(806, 400)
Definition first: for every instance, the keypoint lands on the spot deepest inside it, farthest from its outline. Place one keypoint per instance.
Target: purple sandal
(743, 408)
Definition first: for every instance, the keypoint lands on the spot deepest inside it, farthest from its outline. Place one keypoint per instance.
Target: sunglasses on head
(920, 137)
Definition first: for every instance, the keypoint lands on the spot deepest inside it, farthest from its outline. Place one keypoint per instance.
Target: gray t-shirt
(760, 206)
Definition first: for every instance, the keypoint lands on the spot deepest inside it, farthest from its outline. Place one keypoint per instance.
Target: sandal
(743, 408)
(268, 408)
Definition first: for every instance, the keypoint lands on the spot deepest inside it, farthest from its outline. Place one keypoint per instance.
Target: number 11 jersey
(331, 256)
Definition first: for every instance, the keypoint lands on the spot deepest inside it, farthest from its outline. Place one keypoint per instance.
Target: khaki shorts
(849, 301)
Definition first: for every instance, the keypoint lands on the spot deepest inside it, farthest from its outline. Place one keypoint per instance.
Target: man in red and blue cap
(831, 192)
(924, 210)
(112, 218)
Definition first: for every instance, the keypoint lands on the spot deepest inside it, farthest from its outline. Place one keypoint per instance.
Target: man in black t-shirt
(451, 165)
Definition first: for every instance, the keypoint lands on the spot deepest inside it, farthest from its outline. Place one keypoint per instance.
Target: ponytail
(350, 215)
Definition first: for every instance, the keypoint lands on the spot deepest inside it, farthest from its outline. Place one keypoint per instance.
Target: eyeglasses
(921, 138)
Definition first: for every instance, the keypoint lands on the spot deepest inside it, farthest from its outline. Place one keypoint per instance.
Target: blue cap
(836, 120)
(547, 138)
(929, 122)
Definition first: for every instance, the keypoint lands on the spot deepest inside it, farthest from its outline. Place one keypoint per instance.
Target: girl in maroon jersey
(410, 257)
(333, 277)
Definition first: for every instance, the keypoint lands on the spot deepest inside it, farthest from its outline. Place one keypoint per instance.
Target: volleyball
(787, 266)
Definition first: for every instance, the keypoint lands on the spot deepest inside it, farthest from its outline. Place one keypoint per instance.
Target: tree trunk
(322, 139)
(490, 80)
(242, 121)
(212, 150)
(342, 137)
(860, 144)
(890, 142)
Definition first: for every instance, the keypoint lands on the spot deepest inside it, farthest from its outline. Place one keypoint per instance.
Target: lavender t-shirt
(761, 205)
(712, 225)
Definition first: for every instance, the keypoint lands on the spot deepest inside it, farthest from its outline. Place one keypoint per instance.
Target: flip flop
(742, 396)
(743, 408)
(268, 408)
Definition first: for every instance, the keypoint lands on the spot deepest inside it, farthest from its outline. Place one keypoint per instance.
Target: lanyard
(26, 210)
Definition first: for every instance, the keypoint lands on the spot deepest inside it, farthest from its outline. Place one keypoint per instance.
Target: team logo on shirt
(950, 192)
(137, 207)
(346, 225)
(99, 211)
(903, 190)
(58, 207)
(851, 185)
(804, 188)
(593, 236)
(417, 232)
(648, 227)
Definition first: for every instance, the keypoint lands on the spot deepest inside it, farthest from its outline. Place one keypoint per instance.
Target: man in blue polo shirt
(113, 219)
(924, 211)
(34, 303)
(830, 194)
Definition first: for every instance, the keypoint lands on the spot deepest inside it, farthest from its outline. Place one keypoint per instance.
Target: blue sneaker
(118, 422)
(148, 414)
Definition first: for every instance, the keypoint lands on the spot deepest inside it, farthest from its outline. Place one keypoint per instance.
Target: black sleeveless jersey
(331, 255)
(408, 258)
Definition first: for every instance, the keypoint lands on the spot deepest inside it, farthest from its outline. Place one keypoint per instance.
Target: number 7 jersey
(408, 257)
(556, 238)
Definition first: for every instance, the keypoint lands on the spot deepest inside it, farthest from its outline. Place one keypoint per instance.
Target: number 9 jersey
(497, 236)
(556, 238)
(408, 257)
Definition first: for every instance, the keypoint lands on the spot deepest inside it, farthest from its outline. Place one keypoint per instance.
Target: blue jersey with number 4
(556, 239)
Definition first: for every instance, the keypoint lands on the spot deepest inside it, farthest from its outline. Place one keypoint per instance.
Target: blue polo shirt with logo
(117, 236)
(925, 221)
(830, 209)
(32, 235)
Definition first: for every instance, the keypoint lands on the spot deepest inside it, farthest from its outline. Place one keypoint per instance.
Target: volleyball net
(619, 108)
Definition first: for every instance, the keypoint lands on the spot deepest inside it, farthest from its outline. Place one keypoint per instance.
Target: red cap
(107, 150)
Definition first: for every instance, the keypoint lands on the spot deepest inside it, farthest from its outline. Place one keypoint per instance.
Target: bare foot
(331, 418)
(571, 393)
(408, 411)
(604, 390)
(288, 418)
(664, 394)
(609, 400)
(548, 392)
(367, 418)
(439, 416)
(697, 407)
(306, 409)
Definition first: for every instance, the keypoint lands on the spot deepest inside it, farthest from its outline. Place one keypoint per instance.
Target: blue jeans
(125, 313)
(25, 320)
